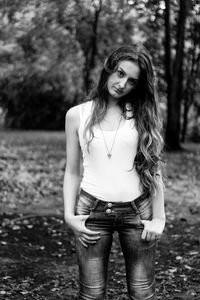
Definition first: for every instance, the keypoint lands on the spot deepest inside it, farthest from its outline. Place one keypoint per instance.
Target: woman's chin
(115, 95)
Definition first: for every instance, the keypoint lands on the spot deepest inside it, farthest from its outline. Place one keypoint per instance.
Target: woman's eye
(120, 73)
(133, 81)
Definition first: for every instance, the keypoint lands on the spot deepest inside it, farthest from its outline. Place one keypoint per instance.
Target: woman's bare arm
(153, 229)
(72, 178)
(158, 200)
(72, 175)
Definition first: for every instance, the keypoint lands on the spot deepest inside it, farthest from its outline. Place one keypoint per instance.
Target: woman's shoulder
(73, 110)
(74, 113)
(81, 108)
(72, 118)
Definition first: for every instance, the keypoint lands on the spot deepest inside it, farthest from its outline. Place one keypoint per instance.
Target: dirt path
(37, 249)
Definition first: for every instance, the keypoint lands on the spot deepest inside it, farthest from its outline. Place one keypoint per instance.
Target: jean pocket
(145, 209)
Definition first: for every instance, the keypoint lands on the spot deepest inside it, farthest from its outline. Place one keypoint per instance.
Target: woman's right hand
(85, 236)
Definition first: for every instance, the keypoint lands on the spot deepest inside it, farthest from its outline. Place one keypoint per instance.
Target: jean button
(108, 211)
(109, 205)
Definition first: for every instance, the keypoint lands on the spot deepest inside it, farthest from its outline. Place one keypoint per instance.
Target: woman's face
(123, 79)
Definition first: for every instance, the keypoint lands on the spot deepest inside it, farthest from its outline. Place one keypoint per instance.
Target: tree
(174, 75)
(192, 71)
(89, 24)
(102, 27)
(57, 48)
(52, 51)
(42, 68)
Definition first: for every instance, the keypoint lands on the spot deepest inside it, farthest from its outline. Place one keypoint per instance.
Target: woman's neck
(112, 103)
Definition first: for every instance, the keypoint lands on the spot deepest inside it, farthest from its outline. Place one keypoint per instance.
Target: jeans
(139, 255)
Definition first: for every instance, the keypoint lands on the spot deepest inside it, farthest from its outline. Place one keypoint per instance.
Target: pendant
(109, 155)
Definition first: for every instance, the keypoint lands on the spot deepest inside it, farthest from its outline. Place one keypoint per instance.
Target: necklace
(109, 152)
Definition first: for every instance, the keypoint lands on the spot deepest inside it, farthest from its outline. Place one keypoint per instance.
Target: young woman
(113, 179)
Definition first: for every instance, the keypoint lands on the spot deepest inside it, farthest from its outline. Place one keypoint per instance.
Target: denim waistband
(134, 203)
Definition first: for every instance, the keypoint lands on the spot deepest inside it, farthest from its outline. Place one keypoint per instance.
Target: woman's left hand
(153, 229)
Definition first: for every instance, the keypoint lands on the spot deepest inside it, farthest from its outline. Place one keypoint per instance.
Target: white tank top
(112, 179)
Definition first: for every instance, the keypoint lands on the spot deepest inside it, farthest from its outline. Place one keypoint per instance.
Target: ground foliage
(37, 250)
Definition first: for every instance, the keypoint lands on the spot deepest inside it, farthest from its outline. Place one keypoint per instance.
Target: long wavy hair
(142, 106)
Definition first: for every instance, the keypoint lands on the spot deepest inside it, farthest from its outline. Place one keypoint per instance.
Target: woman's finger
(83, 242)
(144, 233)
(91, 242)
(91, 238)
(148, 236)
(85, 229)
(91, 232)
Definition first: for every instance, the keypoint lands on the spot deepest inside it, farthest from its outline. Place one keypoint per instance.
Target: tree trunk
(92, 51)
(168, 62)
(188, 101)
(189, 90)
(175, 83)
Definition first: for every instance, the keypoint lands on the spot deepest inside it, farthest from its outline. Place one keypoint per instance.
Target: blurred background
(51, 53)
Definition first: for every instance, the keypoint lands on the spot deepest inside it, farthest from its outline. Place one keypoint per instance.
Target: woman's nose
(122, 83)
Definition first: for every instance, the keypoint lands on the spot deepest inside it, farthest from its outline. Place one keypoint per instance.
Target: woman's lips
(118, 91)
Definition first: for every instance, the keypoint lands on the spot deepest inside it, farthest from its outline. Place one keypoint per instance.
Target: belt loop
(94, 205)
(134, 206)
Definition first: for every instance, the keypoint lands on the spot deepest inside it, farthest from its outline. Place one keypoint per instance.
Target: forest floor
(37, 255)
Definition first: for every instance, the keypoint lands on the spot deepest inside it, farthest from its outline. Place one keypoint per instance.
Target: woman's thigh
(139, 255)
(93, 260)
(140, 261)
